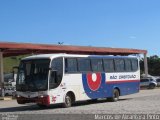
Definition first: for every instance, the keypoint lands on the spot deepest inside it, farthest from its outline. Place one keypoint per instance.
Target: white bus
(65, 78)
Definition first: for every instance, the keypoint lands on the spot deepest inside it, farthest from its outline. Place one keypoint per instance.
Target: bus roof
(51, 56)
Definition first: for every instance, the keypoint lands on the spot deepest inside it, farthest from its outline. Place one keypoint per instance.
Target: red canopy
(13, 49)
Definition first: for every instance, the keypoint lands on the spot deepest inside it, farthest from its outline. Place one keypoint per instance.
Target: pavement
(142, 105)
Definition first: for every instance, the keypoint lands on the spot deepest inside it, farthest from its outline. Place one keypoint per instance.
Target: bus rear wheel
(115, 97)
(68, 101)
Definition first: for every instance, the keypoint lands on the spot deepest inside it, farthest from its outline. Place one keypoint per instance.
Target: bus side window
(97, 65)
(84, 65)
(108, 65)
(134, 64)
(70, 65)
(119, 65)
(128, 65)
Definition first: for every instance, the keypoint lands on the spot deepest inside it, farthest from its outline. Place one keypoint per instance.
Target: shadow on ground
(34, 107)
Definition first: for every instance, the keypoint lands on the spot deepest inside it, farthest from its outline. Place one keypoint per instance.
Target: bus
(66, 78)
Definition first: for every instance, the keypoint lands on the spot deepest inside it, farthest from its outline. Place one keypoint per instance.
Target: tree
(153, 65)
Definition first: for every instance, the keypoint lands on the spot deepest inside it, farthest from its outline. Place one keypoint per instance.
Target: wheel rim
(68, 101)
(116, 95)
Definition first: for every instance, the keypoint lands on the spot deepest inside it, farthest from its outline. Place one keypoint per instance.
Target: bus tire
(68, 101)
(20, 102)
(115, 97)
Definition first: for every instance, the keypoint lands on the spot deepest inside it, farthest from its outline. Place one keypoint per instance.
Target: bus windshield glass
(33, 75)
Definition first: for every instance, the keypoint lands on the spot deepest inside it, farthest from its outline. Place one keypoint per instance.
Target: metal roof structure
(14, 49)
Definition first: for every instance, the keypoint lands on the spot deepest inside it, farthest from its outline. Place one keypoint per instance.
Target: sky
(101, 23)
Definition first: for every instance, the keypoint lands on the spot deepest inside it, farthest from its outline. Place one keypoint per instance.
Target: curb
(6, 98)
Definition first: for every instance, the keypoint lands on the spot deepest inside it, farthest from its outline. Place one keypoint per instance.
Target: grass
(10, 62)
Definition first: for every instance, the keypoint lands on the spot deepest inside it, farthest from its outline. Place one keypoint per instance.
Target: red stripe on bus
(122, 81)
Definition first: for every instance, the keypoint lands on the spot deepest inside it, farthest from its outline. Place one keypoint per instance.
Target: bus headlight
(40, 96)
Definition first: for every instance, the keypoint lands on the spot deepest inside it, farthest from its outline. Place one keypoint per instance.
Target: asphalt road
(144, 103)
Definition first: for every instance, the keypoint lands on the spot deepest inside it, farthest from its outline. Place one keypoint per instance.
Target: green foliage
(153, 65)
(10, 62)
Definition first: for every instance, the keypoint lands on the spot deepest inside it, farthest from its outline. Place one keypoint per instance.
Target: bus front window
(56, 73)
(33, 75)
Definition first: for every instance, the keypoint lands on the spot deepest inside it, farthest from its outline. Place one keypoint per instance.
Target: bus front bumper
(43, 100)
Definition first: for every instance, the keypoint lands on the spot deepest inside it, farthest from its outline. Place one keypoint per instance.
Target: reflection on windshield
(33, 75)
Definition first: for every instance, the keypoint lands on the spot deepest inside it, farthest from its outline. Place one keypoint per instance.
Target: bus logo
(94, 84)
(94, 81)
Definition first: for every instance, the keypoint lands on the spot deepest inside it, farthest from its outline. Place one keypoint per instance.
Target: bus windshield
(33, 75)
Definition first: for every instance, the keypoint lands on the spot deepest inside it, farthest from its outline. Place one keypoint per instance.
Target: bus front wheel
(115, 97)
(68, 101)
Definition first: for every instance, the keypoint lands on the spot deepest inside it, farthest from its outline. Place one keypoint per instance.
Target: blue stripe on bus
(105, 89)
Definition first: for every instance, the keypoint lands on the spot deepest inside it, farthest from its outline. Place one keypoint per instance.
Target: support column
(145, 65)
(1, 74)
